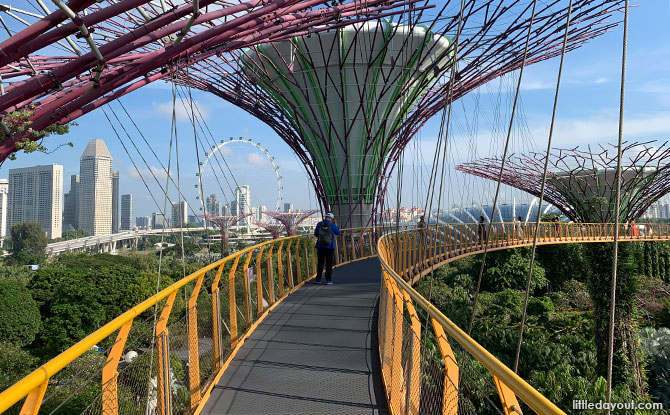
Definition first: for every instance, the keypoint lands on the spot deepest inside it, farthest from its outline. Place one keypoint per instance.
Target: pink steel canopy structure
(276, 229)
(224, 222)
(291, 220)
(348, 100)
(115, 47)
(582, 183)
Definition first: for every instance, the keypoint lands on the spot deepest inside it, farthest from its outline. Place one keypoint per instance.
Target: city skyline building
(179, 217)
(95, 189)
(288, 207)
(212, 205)
(158, 221)
(71, 204)
(126, 212)
(36, 194)
(143, 222)
(115, 202)
(242, 203)
(4, 195)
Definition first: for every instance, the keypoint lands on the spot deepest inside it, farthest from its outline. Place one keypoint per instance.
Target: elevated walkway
(315, 353)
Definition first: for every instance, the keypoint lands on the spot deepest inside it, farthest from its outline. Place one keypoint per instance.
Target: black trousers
(324, 256)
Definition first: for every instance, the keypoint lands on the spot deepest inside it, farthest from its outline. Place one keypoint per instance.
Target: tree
(508, 269)
(14, 364)
(627, 357)
(74, 312)
(28, 237)
(19, 316)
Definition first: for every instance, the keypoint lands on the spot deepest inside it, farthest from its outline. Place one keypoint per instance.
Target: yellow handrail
(33, 386)
(408, 255)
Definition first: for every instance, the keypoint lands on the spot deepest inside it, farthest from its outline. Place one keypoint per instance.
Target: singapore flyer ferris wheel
(215, 153)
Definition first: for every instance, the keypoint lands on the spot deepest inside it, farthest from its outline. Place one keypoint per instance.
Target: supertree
(347, 101)
(291, 220)
(224, 222)
(115, 47)
(276, 229)
(581, 183)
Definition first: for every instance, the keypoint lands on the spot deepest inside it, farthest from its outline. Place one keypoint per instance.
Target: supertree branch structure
(291, 220)
(87, 53)
(225, 223)
(347, 101)
(276, 229)
(582, 183)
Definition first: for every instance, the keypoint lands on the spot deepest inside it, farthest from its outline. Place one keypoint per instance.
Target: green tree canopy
(28, 237)
(19, 316)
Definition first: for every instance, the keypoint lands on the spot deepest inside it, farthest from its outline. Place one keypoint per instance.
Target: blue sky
(587, 114)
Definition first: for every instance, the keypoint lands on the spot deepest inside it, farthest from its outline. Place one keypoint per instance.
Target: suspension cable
(617, 214)
(544, 181)
(502, 165)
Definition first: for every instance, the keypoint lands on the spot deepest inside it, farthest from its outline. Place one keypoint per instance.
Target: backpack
(325, 237)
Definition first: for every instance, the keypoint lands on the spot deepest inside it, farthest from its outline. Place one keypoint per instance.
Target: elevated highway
(264, 342)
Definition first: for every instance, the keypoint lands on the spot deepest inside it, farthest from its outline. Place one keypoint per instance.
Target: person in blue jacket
(325, 233)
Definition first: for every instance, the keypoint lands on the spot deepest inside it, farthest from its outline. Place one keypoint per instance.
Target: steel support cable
(542, 188)
(615, 260)
(132, 141)
(502, 166)
(197, 154)
(216, 156)
(160, 253)
(442, 136)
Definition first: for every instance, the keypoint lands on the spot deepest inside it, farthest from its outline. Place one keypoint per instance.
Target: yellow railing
(204, 318)
(423, 371)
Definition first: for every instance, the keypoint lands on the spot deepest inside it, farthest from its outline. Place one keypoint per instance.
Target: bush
(577, 294)
(19, 316)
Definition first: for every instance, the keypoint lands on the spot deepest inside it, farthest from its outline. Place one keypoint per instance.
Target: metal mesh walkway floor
(315, 353)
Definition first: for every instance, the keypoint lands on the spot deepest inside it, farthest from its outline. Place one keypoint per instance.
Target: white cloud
(604, 128)
(182, 109)
(257, 160)
(146, 173)
(601, 80)
(536, 85)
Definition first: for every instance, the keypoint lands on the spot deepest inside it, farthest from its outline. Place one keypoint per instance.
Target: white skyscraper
(126, 212)
(36, 194)
(179, 217)
(115, 202)
(95, 189)
(4, 190)
(261, 215)
(242, 202)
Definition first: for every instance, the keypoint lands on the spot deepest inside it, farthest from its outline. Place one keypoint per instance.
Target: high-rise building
(158, 221)
(242, 203)
(261, 215)
(36, 194)
(192, 219)
(143, 222)
(4, 193)
(226, 210)
(288, 207)
(115, 202)
(179, 217)
(71, 203)
(126, 212)
(212, 205)
(95, 189)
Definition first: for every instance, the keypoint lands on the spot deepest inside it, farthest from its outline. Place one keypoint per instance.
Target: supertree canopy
(87, 53)
(275, 228)
(582, 183)
(291, 220)
(224, 222)
(348, 100)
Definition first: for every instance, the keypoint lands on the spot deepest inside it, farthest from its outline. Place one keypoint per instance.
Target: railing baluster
(451, 371)
(110, 376)
(34, 399)
(232, 305)
(507, 398)
(259, 284)
(217, 333)
(271, 281)
(280, 269)
(193, 346)
(163, 368)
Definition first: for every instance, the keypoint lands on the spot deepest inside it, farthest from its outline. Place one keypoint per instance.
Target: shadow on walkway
(315, 353)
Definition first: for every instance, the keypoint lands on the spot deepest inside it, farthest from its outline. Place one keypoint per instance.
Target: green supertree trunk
(627, 356)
